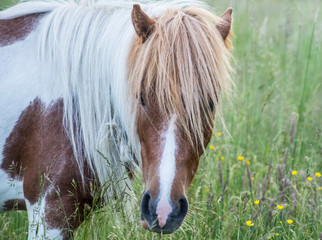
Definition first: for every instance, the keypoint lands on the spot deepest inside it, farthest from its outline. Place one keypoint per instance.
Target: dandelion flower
(280, 207)
(240, 158)
(222, 158)
(294, 173)
(318, 174)
(212, 147)
(248, 162)
(218, 134)
(281, 222)
(256, 202)
(249, 223)
(289, 221)
(277, 234)
(309, 178)
(295, 186)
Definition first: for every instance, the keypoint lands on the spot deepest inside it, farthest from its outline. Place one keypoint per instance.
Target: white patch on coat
(167, 171)
(37, 225)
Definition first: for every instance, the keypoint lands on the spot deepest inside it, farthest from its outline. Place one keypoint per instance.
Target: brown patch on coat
(40, 149)
(14, 204)
(16, 29)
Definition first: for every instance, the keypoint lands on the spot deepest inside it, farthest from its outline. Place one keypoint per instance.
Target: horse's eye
(141, 100)
(211, 105)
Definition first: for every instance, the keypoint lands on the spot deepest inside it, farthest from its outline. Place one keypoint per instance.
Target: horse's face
(170, 156)
(169, 163)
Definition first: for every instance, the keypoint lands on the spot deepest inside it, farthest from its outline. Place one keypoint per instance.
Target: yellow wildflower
(319, 188)
(277, 234)
(252, 178)
(240, 158)
(212, 147)
(249, 223)
(248, 162)
(294, 173)
(207, 190)
(280, 207)
(289, 221)
(317, 174)
(295, 186)
(218, 134)
(281, 222)
(256, 202)
(222, 158)
(309, 178)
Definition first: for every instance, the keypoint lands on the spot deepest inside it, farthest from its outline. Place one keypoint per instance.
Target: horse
(94, 92)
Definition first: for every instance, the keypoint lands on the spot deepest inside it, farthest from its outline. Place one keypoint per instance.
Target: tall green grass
(6, 3)
(275, 117)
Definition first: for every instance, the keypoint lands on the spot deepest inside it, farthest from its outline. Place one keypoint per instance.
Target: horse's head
(178, 65)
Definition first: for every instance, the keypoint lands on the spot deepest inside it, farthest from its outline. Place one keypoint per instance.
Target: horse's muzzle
(174, 219)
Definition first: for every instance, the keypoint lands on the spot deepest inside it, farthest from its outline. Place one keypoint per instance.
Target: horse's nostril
(183, 207)
(145, 204)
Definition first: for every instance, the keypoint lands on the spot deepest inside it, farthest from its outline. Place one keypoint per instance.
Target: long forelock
(184, 65)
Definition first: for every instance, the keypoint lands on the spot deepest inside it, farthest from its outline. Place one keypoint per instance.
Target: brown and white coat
(78, 81)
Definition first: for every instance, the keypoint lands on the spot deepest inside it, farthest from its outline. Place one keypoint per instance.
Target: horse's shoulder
(15, 29)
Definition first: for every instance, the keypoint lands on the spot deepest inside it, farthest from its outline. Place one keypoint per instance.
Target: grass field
(274, 154)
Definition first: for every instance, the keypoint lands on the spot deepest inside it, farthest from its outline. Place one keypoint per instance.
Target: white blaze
(167, 171)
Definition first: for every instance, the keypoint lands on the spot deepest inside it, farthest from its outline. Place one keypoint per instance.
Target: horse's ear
(224, 26)
(142, 23)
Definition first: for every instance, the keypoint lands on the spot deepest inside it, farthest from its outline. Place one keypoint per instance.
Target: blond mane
(185, 65)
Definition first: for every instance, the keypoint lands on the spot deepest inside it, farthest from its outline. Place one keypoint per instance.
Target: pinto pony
(91, 92)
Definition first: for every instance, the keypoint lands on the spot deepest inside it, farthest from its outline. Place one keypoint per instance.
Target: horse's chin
(144, 225)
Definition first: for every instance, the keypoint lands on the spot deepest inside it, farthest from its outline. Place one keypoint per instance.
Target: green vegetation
(275, 127)
(6, 3)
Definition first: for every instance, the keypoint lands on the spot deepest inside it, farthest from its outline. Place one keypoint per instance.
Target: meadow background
(268, 170)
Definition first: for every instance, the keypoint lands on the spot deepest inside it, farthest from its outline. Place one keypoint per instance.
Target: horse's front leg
(39, 222)
(56, 208)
